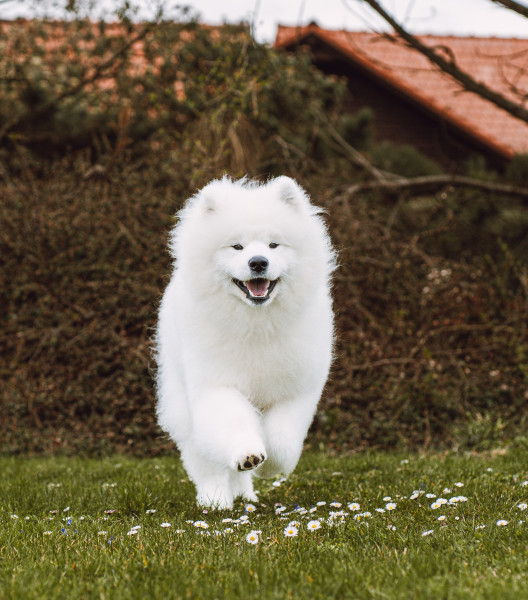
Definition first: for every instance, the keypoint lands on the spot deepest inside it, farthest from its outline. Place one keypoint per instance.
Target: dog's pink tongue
(258, 287)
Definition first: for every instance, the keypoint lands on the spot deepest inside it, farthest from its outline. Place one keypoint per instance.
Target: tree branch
(450, 66)
(430, 183)
(351, 153)
(515, 6)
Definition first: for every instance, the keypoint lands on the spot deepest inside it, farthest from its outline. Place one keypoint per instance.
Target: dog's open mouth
(258, 290)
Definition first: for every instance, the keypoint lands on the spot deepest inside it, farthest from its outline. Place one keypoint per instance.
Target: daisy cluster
(293, 520)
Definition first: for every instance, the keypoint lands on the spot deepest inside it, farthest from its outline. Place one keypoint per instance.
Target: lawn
(363, 526)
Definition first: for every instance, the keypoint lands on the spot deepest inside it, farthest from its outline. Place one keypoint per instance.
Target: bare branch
(515, 6)
(430, 183)
(352, 154)
(450, 67)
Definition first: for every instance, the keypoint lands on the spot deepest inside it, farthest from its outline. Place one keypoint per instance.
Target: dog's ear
(208, 197)
(208, 202)
(290, 192)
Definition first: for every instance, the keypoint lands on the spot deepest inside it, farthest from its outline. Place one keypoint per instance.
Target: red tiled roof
(501, 64)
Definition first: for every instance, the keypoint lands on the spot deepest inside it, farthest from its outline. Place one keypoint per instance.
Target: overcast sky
(458, 17)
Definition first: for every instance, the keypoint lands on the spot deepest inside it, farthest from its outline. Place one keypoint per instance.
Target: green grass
(381, 556)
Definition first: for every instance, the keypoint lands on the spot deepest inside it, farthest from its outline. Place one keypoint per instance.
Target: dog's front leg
(225, 441)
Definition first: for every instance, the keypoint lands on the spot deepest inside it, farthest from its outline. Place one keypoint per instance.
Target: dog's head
(256, 242)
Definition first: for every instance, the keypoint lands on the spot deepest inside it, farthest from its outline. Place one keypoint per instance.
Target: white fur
(237, 379)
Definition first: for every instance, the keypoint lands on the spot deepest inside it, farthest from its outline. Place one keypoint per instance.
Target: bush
(403, 159)
(430, 294)
(187, 88)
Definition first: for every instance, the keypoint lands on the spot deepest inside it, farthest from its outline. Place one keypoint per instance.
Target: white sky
(458, 17)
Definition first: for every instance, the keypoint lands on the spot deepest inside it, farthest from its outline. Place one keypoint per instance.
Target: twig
(430, 183)
(450, 66)
(355, 156)
(515, 6)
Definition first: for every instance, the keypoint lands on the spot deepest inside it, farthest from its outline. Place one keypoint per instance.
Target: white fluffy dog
(245, 333)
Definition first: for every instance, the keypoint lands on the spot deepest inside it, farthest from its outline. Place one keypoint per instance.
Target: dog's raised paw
(251, 461)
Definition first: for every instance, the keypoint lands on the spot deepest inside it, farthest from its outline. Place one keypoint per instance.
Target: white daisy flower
(293, 524)
(291, 531)
(380, 510)
(252, 537)
(250, 508)
(165, 525)
(150, 511)
(502, 523)
(459, 484)
(133, 532)
(354, 506)
(322, 502)
(390, 506)
(522, 506)
(280, 509)
(47, 533)
(435, 505)
(102, 532)
(414, 495)
(524, 483)
(313, 525)
(387, 499)
(336, 504)
(201, 524)
(442, 518)
(425, 533)
(480, 527)
(430, 495)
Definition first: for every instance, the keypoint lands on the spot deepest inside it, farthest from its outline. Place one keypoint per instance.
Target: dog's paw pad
(251, 462)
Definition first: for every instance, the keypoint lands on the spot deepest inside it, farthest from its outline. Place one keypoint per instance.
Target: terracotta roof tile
(501, 64)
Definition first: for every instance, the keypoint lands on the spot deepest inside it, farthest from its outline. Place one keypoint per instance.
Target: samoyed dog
(245, 333)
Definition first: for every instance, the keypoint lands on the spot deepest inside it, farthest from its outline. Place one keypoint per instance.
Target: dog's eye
(273, 245)
(238, 247)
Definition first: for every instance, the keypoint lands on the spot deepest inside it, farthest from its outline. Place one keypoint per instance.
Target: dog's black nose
(258, 264)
